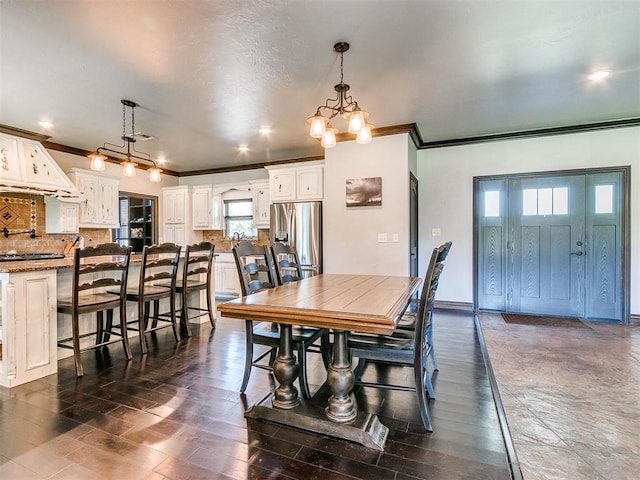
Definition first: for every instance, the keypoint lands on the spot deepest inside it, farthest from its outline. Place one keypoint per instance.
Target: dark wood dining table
(343, 303)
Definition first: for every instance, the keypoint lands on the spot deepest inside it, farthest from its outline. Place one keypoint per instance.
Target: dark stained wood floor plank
(176, 414)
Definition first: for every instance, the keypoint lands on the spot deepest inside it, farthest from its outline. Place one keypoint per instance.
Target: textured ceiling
(208, 74)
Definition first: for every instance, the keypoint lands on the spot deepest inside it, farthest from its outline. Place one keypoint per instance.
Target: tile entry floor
(571, 396)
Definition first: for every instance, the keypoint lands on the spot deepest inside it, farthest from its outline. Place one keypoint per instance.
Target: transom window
(545, 201)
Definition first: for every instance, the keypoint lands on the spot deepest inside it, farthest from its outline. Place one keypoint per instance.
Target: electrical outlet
(435, 232)
(382, 238)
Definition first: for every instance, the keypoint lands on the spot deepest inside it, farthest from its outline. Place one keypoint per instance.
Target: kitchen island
(29, 326)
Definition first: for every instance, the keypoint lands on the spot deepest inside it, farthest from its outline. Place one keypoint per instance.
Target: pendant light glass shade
(364, 135)
(97, 162)
(128, 168)
(357, 120)
(154, 174)
(329, 137)
(318, 126)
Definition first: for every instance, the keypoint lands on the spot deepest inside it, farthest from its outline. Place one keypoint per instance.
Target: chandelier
(131, 156)
(343, 105)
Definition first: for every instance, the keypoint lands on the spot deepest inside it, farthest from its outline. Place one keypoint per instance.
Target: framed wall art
(364, 192)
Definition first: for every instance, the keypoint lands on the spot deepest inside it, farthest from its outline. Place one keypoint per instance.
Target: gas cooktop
(17, 257)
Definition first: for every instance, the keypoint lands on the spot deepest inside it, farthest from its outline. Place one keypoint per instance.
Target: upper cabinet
(61, 217)
(261, 204)
(202, 207)
(296, 184)
(99, 205)
(176, 216)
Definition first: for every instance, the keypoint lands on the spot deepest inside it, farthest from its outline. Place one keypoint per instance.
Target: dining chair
(286, 262)
(255, 272)
(196, 276)
(408, 320)
(157, 282)
(96, 269)
(409, 348)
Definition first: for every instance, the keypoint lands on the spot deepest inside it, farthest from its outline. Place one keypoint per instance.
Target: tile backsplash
(22, 212)
(223, 244)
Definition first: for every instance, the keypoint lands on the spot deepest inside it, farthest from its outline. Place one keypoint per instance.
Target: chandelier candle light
(128, 165)
(343, 105)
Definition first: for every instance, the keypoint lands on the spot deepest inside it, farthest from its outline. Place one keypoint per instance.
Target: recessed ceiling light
(45, 124)
(161, 160)
(243, 148)
(598, 75)
(265, 131)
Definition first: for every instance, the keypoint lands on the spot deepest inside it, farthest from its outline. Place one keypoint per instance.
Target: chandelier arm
(128, 156)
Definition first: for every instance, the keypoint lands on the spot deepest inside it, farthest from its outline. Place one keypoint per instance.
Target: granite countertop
(50, 264)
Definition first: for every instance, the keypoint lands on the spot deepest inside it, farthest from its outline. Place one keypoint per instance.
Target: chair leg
(326, 349)
(123, 329)
(174, 319)
(248, 358)
(143, 309)
(99, 327)
(358, 371)
(212, 319)
(302, 374)
(272, 356)
(75, 332)
(154, 316)
(185, 313)
(106, 334)
(423, 383)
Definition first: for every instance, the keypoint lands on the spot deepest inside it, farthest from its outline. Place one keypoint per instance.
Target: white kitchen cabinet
(61, 217)
(202, 207)
(309, 184)
(283, 185)
(175, 201)
(27, 326)
(99, 206)
(177, 224)
(217, 212)
(261, 204)
(226, 275)
(296, 184)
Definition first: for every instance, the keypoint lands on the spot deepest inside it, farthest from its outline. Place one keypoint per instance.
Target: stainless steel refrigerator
(300, 224)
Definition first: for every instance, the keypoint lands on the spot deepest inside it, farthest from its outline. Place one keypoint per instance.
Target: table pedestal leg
(340, 378)
(286, 371)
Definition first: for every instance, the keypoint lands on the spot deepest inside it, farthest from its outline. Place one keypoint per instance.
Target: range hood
(27, 167)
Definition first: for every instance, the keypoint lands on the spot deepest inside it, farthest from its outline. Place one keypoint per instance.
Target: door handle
(579, 254)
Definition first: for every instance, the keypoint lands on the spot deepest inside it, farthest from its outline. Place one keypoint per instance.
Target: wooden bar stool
(157, 282)
(198, 260)
(96, 269)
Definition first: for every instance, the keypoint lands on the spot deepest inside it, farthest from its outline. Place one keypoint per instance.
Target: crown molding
(251, 166)
(18, 132)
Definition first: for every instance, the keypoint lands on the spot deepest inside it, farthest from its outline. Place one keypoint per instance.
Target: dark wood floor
(177, 414)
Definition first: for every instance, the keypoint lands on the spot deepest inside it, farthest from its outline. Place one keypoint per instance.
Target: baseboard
(445, 305)
(634, 320)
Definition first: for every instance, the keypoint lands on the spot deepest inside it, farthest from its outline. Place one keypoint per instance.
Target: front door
(551, 244)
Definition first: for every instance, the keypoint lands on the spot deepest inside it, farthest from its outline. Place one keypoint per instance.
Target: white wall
(445, 178)
(351, 234)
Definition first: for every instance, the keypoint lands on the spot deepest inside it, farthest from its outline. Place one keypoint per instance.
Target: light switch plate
(382, 237)
(435, 232)
(396, 237)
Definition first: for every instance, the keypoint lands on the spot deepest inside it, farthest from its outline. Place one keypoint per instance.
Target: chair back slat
(159, 262)
(254, 267)
(286, 263)
(108, 261)
(198, 260)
